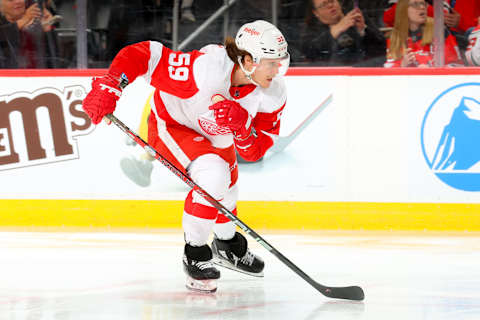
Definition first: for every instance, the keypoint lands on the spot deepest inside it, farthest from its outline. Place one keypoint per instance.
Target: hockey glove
(103, 97)
(230, 114)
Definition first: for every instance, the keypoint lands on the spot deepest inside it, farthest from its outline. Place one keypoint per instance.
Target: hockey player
(199, 136)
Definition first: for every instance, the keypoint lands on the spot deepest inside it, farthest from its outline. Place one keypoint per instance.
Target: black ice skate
(234, 254)
(201, 273)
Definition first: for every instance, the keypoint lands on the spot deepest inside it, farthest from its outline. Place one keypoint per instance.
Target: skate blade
(228, 265)
(205, 286)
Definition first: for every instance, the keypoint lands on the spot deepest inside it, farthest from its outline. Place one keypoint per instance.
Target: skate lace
(202, 265)
(248, 258)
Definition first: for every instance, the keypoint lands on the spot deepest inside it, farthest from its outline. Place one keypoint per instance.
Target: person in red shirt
(460, 15)
(411, 41)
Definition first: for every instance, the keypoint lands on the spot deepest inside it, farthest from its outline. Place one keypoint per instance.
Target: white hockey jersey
(186, 82)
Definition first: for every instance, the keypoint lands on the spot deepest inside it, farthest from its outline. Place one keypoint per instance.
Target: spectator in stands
(26, 40)
(411, 41)
(333, 38)
(460, 17)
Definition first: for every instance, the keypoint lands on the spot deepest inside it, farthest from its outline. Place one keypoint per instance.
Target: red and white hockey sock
(198, 221)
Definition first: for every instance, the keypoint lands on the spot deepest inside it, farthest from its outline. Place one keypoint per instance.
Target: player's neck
(239, 79)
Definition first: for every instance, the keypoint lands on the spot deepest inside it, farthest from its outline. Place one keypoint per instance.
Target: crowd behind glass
(357, 33)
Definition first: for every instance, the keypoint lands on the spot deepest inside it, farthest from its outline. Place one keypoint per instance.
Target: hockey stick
(281, 142)
(349, 293)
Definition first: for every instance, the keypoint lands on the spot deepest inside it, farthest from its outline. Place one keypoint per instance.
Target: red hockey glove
(230, 114)
(103, 97)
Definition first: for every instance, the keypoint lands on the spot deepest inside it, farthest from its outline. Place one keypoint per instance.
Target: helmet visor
(276, 67)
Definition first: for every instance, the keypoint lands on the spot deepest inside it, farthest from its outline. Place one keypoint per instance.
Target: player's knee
(230, 198)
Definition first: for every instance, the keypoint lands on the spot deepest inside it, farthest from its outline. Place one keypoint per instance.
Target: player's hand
(103, 97)
(230, 114)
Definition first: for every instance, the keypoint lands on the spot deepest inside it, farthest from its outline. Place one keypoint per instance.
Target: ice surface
(108, 275)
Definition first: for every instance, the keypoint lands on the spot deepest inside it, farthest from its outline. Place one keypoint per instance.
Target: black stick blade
(348, 293)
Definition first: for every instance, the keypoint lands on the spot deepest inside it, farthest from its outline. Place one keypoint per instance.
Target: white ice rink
(119, 276)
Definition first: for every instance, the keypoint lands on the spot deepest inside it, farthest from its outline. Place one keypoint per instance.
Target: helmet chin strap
(248, 74)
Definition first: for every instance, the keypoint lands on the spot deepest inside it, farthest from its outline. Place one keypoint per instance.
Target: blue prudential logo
(450, 136)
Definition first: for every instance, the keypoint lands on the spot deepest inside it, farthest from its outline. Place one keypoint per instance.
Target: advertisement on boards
(446, 137)
(41, 126)
(450, 136)
(343, 138)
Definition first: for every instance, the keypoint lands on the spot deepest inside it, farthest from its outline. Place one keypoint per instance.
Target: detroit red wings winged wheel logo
(209, 125)
(207, 120)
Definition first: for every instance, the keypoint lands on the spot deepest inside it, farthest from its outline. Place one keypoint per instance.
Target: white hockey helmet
(262, 40)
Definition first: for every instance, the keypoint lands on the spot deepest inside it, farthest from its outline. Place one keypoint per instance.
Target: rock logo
(450, 137)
